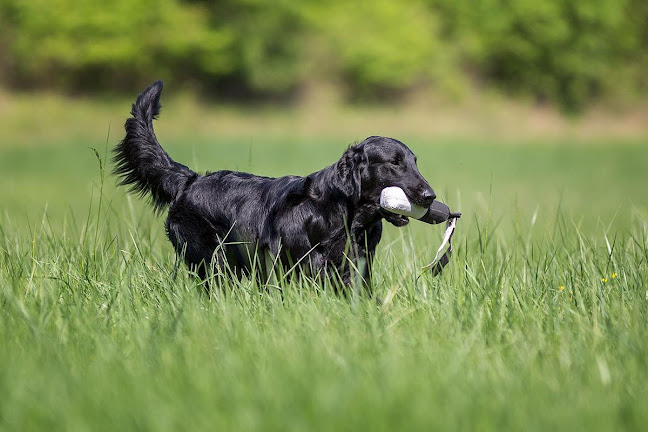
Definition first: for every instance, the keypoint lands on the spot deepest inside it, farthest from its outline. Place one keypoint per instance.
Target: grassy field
(539, 323)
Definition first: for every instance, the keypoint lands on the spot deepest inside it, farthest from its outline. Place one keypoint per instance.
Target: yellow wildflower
(613, 275)
(561, 288)
(604, 280)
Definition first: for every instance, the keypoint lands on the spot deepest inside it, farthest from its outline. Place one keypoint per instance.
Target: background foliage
(553, 50)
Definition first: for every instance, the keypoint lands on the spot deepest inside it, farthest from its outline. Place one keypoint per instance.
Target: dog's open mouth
(395, 219)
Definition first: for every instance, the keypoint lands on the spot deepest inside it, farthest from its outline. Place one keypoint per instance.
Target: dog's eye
(397, 162)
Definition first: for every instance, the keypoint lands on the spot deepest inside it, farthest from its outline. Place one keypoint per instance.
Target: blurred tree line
(565, 51)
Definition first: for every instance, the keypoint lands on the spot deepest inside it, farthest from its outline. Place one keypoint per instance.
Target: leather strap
(437, 263)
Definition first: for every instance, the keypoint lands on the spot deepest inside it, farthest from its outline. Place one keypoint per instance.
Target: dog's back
(229, 212)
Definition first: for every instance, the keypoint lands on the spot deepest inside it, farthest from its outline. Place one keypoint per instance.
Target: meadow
(538, 323)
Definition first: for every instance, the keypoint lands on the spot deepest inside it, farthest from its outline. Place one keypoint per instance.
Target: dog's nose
(427, 196)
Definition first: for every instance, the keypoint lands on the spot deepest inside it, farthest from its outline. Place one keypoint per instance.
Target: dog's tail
(139, 159)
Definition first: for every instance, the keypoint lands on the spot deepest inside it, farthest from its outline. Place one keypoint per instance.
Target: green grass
(100, 330)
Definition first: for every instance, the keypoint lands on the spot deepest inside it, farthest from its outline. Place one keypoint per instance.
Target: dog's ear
(351, 168)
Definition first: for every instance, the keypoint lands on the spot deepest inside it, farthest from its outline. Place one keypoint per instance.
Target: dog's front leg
(365, 238)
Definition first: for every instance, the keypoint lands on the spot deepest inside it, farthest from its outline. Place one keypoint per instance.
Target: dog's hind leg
(202, 249)
(209, 272)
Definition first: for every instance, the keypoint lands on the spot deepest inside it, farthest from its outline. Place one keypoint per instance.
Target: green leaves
(567, 52)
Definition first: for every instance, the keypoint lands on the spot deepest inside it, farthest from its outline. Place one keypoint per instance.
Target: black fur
(325, 221)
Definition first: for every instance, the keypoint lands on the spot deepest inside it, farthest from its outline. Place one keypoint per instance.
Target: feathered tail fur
(139, 159)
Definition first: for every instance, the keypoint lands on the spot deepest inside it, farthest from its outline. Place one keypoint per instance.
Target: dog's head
(379, 162)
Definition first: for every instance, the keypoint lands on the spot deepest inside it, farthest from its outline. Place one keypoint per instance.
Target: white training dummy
(394, 200)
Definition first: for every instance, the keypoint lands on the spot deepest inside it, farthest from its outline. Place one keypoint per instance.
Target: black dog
(328, 222)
